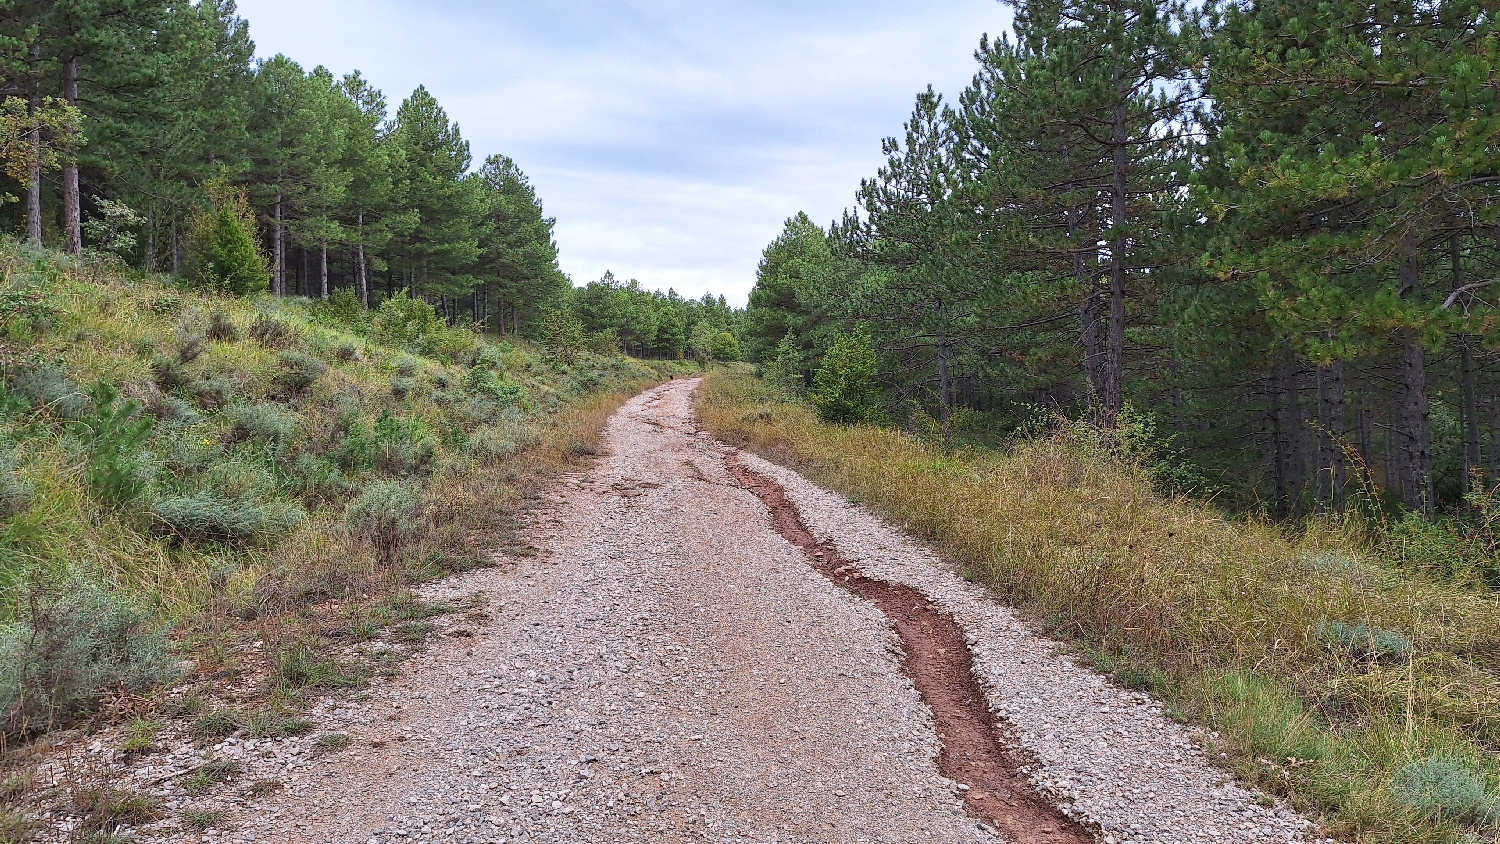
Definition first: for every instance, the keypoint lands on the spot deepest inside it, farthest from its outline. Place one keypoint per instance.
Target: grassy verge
(1367, 694)
(183, 474)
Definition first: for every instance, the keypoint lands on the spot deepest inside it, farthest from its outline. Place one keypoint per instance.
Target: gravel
(1108, 755)
(668, 668)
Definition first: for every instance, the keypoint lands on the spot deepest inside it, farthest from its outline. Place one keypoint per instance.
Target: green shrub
(16, 492)
(389, 514)
(400, 446)
(190, 349)
(346, 352)
(272, 724)
(47, 388)
(168, 372)
(563, 335)
(782, 369)
(140, 735)
(73, 640)
(213, 392)
(299, 371)
(26, 310)
(401, 387)
(15, 827)
(725, 347)
(266, 423)
(484, 382)
(406, 366)
(342, 310)
(845, 389)
(103, 809)
(206, 516)
(216, 724)
(222, 252)
(411, 324)
(1363, 642)
(302, 667)
(1443, 788)
(272, 332)
(201, 819)
(221, 328)
(113, 432)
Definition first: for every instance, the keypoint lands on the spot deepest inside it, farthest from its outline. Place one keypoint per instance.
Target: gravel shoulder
(669, 668)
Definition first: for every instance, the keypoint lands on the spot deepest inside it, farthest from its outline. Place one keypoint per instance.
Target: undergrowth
(218, 470)
(1335, 672)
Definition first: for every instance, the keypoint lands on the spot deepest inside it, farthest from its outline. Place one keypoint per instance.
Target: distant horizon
(669, 141)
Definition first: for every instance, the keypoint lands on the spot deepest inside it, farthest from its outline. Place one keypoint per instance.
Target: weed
(201, 819)
(261, 788)
(221, 328)
(46, 387)
(302, 667)
(406, 366)
(345, 352)
(213, 392)
(15, 786)
(412, 632)
(140, 735)
(103, 809)
(272, 332)
(270, 724)
(209, 517)
(333, 741)
(15, 827)
(267, 423)
(216, 724)
(299, 371)
(195, 783)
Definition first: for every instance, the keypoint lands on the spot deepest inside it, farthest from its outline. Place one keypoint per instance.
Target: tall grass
(1236, 624)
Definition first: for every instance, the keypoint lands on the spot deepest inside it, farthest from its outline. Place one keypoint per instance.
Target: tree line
(120, 117)
(1272, 228)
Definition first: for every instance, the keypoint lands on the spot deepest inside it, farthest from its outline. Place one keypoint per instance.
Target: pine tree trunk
(1276, 461)
(323, 269)
(1115, 376)
(148, 261)
(1339, 470)
(176, 250)
(944, 398)
(72, 206)
(1293, 427)
(1416, 431)
(1468, 390)
(34, 176)
(363, 282)
(278, 252)
(1323, 496)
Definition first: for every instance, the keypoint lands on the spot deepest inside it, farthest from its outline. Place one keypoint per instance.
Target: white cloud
(670, 138)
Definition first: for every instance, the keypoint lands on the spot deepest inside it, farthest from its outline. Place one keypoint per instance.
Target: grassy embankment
(1364, 691)
(251, 470)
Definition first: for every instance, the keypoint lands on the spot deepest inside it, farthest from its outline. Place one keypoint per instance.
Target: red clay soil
(937, 659)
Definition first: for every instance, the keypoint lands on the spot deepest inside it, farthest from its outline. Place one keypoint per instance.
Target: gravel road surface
(669, 668)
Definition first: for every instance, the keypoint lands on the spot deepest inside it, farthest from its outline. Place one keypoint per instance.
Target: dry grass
(1225, 619)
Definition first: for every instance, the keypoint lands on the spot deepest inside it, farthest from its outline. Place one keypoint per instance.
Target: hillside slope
(225, 466)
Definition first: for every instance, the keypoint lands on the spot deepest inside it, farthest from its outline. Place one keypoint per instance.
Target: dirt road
(672, 668)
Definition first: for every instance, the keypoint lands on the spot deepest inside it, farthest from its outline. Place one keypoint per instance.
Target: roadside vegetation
(184, 473)
(1346, 663)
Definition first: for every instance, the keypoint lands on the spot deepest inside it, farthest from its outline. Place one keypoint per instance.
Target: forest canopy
(1272, 229)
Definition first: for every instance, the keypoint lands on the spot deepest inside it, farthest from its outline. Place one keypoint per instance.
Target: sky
(670, 139)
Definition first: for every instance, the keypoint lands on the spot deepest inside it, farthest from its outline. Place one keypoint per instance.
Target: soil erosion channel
(939, 663)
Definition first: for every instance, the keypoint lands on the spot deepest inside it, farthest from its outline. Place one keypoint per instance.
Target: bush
(266, 423)
(844, 389)
(1363, 643)
(346, 352)
(401, 446)
(113, 432)
(72, 641)
(406, 366)
(208, 516)
(412, 324)
(167, 372)
(484, 382)
(222, 251)
(299, 371)
(213, 392)
(47, 388)
(563, 335)
(782, 370)
(342, 310)
(388, 513)
(401, 387)
(725, 347)
(1443, 788)
(221, 328)
(272, 332)
(16, 493)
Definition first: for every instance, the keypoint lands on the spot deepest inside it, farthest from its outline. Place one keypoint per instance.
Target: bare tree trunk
(1292, 426)
(34, 185)
(1115, 377)
(72, 206)
(278, 252)
(148, 261)
(364, 284)
(1323, 482)
(323, 269)
(176, 250)
(944, 398)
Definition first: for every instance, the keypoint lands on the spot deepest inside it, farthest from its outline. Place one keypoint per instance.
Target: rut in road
(974, 749)
(669, 668)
